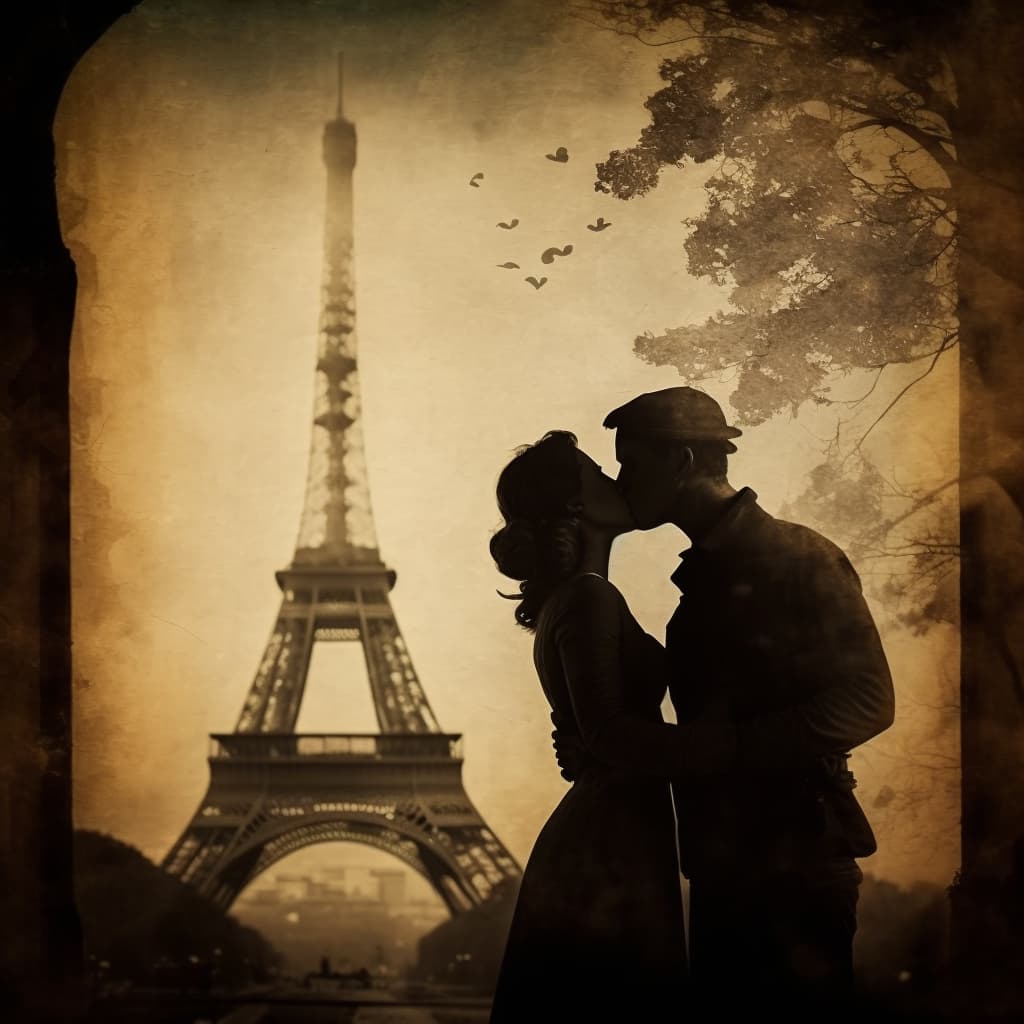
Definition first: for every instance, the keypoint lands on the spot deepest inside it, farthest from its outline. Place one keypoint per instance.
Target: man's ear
(684, 459)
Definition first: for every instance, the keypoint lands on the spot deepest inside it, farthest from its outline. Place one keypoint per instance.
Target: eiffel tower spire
(340, 113)
(273, 791)
(337, 518)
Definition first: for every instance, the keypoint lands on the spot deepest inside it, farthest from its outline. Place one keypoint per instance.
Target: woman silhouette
(598, 927)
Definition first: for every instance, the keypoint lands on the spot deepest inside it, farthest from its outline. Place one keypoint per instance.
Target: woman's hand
(570, 754)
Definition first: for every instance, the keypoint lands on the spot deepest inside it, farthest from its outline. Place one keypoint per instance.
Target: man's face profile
(648, 479)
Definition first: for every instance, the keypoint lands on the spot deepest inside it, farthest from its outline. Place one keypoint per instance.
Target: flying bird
(475, 180)
(509, 224)
(536, 284)
(508, 266)
(600, 225)
(560, 155)
(550, 254)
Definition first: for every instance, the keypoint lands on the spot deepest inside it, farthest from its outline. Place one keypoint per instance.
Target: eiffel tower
(272, 790)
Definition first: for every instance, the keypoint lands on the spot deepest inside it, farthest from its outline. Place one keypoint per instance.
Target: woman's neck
(597, 549)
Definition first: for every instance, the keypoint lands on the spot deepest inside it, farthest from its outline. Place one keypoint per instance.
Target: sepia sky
(192, 199)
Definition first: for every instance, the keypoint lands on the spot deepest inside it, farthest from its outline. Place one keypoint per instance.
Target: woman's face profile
(603, 503)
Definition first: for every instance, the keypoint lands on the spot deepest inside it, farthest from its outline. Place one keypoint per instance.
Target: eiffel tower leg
(223, 819)
(276, 692)
(225, 887)
(196, 855)
(457, 894)
(399, 697)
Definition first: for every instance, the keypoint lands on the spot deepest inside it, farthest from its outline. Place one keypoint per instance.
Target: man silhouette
(772, 638)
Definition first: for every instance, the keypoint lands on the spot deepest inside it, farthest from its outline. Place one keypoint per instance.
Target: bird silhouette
(508, 266)
(536, 284)
(549, 255)
(560, 155)
(508, 225)
(475, 180)
(600, 225)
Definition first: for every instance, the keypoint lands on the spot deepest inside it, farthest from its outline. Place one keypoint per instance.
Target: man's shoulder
(792, 546)
(802, 538)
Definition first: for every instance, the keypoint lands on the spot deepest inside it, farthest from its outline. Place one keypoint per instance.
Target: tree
(138, 920)
(865, 211)
(830, 219)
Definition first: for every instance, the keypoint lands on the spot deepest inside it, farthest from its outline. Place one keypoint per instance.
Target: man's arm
(570, 754)
(837, 650)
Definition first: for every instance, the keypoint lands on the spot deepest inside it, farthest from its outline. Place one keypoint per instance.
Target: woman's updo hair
(539, 498)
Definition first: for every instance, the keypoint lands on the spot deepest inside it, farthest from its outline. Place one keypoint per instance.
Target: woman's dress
(597, 932)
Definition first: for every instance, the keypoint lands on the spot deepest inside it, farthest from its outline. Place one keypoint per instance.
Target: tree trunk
(987, 899)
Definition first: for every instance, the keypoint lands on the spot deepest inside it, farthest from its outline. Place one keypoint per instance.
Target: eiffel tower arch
(274, 791)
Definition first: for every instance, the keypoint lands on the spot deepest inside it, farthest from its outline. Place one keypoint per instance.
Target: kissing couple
(776, 672)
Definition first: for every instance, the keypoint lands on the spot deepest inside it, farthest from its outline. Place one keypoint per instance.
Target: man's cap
(685, 413)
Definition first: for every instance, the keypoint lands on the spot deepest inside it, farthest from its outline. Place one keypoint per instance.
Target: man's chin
(644, 527)
(640, 523)
(641, 520)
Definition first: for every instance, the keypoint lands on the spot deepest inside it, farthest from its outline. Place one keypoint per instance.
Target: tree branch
(923, 501)
(947, 343)
(928, 142)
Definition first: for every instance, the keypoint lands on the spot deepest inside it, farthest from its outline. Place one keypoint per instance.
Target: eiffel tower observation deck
(273, 791)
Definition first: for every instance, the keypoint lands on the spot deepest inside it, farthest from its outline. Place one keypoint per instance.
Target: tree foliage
(138, 920)
(830, 220)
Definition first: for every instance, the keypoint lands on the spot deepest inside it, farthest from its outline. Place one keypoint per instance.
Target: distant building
(355, 915)
(292, 887)
(391, 887)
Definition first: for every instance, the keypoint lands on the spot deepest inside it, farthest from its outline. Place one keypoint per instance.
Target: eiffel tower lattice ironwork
(273, 791)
